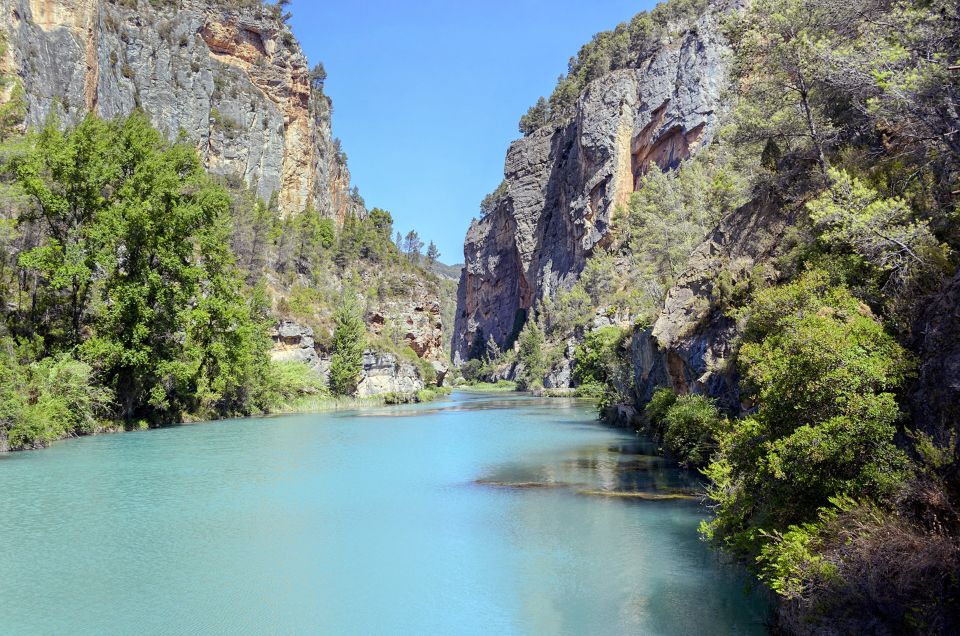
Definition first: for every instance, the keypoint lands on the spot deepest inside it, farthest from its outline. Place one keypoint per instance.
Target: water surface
(478, 515)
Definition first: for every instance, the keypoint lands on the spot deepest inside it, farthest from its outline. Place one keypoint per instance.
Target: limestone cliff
(690, 347)
(564, 183)
(230, 76)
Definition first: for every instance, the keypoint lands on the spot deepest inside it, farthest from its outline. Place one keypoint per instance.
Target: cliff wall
(231, 77)
(564, 183)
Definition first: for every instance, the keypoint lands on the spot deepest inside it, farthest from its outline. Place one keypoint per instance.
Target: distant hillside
(447, 272)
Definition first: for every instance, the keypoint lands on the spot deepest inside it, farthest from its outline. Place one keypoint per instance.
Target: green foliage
(657, 408)
(790, 561)
(688, 426)
(531, 356)
(537, 117)
(489, 202)
(667, 217)
(822, 371)
(885, 233)
(47, 400)
(599, 364)
(566, 312)
(472, 369)
(287, 382)
(134, 269)
(349, 340)
(782, 77)
(691, 428)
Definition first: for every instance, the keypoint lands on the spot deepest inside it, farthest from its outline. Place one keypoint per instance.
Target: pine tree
(349, 334)
(433, 253)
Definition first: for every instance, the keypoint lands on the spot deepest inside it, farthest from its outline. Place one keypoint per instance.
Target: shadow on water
(631, 470)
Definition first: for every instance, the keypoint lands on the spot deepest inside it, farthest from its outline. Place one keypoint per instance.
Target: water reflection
(628, 470)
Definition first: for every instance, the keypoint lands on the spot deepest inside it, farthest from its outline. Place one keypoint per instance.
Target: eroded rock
(564, 183)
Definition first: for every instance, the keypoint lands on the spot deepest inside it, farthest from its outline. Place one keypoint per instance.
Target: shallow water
(478, 515)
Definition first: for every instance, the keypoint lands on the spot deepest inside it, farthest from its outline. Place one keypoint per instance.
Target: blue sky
(427, 94)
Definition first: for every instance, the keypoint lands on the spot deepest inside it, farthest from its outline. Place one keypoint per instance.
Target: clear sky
(427, 93)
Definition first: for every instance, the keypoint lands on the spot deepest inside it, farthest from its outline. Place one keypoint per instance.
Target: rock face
(385, 373)
(234, 80)
(563, 184)
(414, 318)
(936, 400)
(382, 372)
(294, 342)
(690, 344)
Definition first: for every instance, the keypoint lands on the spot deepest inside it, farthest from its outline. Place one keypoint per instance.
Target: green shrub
(471, 370)
(822, 371)
(288, 381)
(49, 400)
(690, 429)
(657, 408)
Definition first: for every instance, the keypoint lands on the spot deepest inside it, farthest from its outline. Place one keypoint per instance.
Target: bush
(690, 429)
(657, 408)
(287, 381)
(471, 370)
(48, 400)
(821, 369)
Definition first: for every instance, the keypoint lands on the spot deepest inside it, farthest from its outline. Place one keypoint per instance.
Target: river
(480, 514)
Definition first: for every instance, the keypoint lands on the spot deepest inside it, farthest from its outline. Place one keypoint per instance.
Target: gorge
(721, 267)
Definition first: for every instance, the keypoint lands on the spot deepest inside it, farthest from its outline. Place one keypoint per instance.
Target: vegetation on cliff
(622, 47)
(845, 118)
(138, 290)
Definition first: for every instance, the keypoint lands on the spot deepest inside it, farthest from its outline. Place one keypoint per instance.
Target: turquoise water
(478, 515)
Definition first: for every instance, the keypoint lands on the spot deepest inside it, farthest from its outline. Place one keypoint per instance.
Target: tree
(349, 341)
(667, 217)
(136, 245)
(313, 235)
(412, 245)
(318, 75)
(537, 117)
(489, 202)
(493, 352)
(382, 222)
(65, 176)
(433, 253)
(887, 234)
(782, 76)
(531, 355)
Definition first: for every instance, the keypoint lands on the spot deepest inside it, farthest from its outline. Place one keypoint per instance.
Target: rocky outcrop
(691, 344)
(233, 80)
(414, 318)
(382, 372)
(563, 184)
(385, 373)
(293, 342)
(936, 399)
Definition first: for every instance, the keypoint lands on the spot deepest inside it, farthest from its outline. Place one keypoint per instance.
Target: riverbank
(301, 405)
